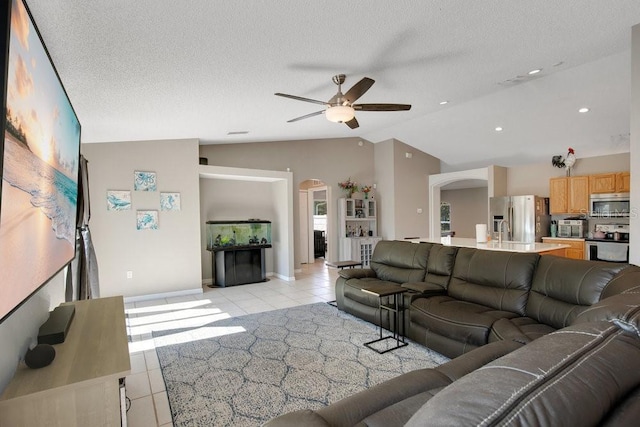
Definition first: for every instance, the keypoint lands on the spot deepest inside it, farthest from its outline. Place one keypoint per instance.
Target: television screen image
(39, 168)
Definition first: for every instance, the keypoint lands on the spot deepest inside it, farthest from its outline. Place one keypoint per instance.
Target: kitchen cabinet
(358, 229)
(569, 195)
(576, 251)
(602, 183)
(623, 182)
(609, 183)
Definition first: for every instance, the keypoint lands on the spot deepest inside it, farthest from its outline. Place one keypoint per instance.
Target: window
(319, 207)
(445, 217)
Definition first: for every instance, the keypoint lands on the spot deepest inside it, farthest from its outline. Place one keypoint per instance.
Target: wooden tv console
(81, 387)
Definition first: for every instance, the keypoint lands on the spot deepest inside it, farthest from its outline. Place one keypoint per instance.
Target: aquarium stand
(239, 265)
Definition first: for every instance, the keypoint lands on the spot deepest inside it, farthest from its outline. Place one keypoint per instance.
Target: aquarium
(222, 235)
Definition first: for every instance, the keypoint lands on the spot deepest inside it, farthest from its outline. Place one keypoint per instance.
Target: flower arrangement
(366, 189)
(349, 186)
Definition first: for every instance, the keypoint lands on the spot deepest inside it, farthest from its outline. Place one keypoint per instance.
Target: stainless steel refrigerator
(522, 218)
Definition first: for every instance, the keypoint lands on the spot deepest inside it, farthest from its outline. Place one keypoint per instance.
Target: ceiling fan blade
(299, 98)
(353, 123)
(359, 89)
(317, 113)
(382, 107)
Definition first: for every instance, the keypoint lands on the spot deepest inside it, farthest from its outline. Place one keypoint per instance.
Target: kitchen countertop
(494, 245)
(577, 239)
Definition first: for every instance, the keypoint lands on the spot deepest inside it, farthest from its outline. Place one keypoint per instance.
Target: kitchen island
(462, 242)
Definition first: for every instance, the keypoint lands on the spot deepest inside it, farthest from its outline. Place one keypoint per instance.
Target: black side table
(394, 305)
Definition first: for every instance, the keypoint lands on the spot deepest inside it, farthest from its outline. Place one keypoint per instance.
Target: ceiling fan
(341, 108)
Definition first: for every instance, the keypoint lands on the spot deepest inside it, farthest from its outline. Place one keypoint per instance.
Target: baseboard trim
(195, 291)
(283, 277)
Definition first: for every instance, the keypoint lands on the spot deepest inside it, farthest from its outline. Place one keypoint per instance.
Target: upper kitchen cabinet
(623, 182)
(602, 183)
(569, 195)
(609, 183)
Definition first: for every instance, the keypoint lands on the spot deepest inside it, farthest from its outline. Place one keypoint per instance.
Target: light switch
(419, 210)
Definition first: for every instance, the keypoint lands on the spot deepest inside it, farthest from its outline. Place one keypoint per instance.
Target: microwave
(612, 205)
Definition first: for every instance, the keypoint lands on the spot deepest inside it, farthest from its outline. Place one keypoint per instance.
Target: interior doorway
(314, 220)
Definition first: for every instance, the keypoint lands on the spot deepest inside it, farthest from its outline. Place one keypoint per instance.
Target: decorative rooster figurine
(568, 161)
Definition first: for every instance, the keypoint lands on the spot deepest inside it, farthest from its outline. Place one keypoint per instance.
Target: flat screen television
(40, 157)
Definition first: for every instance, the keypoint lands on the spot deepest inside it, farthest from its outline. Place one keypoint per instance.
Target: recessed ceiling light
(498, 129)
(583, 110)
(444, 102)
(536, 71)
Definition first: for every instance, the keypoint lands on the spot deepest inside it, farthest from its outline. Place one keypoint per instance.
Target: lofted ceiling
(159, 69)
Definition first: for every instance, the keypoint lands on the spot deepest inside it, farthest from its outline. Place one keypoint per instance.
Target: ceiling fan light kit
(341, 108)
(340, 113)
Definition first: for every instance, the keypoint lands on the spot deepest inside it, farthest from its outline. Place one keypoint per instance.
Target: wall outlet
(129, 274)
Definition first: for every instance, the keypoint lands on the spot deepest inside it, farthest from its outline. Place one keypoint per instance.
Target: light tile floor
(145, 386)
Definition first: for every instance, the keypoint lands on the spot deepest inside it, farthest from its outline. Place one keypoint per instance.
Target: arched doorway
(314, 209)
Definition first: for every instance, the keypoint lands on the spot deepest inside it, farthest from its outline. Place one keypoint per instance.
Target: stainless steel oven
(610, 243)
(607, 251)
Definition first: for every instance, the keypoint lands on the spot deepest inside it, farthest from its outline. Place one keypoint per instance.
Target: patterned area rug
(276, 362)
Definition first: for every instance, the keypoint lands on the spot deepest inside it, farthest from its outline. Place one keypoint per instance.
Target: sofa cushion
(440, 265)
(519, 329)
(576, 376)
(500, 280)
(563, 287)
(400, 262)
(461, 321)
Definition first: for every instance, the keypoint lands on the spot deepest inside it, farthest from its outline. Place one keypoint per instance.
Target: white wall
(20, 330)
(162, 261)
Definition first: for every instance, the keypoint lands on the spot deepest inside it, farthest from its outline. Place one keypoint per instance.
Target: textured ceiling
(158, 69)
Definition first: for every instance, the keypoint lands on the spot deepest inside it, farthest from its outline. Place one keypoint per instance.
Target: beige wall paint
(329, 160)
(469, 206)
(165, 260)
(411, 190)
(384, 192)
(634, 247)
(534, 178)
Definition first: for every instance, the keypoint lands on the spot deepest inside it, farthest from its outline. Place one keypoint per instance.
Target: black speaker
(40, 356)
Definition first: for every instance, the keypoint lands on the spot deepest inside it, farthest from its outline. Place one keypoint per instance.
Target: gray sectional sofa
(535, 340)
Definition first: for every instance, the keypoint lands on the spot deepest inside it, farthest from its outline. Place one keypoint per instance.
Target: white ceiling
(159, 69)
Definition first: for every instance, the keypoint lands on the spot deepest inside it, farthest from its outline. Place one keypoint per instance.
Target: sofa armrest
(425, 289)
(356, 273)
